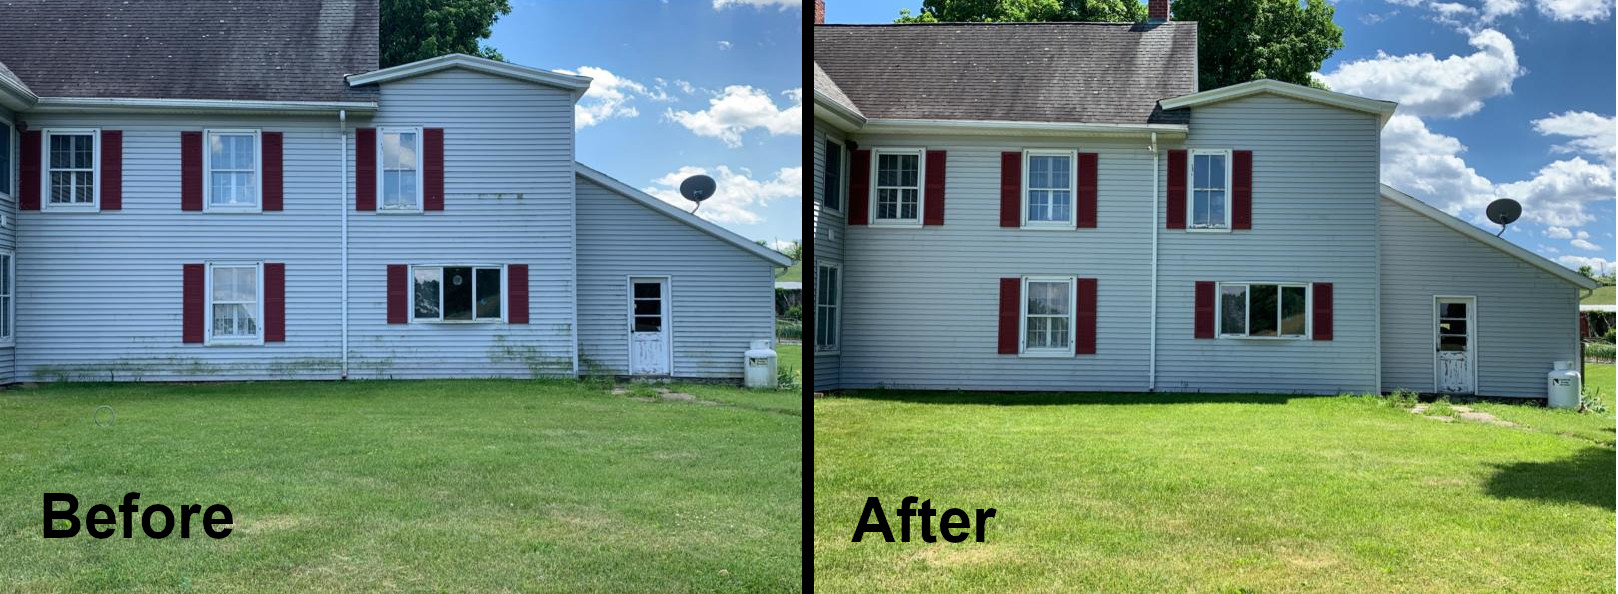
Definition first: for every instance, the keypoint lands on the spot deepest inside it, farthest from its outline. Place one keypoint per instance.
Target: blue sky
(1498, 98)
(682, 87)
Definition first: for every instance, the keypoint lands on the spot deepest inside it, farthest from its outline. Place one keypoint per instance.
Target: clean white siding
(828, 248)
(1526, 318)
(1314, 220)
(8, 240)
(921, 305)
(723, 297)
(508, 169)
(99, 293)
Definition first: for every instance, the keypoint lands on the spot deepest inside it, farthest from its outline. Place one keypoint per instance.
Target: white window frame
(381, 170)
(842, 176)
(1219, 310)
(258, 317)
(45, 204)
(9, 192)
(8, 298)
(1072, 189)
(1072, 315)
(921, 186)
(207, 171)
(835, 319)
(504, 294)
(1191, 190)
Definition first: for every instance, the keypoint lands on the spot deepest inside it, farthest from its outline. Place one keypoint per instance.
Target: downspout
(1151, 366)
(342, 142)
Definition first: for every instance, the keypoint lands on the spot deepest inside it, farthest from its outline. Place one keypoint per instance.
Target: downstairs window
(1263, 310)
(456, 293)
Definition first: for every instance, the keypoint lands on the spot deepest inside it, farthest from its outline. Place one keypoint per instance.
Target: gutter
(342, 192)
(999, 127)
(1151, 365)
(140, 105)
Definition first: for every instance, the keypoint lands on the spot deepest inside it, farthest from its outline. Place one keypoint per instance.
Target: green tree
(1237, 40)
(420, 29)
(981, 11)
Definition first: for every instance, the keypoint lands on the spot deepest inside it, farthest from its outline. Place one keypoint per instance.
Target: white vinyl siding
(1049, 179)
(829, 229)
(232, 164)
(72, 165)
(897, 195)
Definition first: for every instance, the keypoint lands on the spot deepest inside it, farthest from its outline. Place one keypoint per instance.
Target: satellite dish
(1504, 212)
(697, 188)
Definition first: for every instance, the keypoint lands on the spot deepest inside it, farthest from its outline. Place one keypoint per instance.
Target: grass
(793, 273)
(1592, 426)
(1604, 295)
(1210, 493)
(454, 486)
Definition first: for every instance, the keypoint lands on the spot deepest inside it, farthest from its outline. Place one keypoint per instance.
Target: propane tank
(1562, 386)
(760, 364)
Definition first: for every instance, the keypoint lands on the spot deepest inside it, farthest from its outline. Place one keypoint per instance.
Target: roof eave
(16, 97)
(999, 127)
(142, 105)
(575, 83)
(669, 210)
(1498, 243)
(1381, 109)
(841, 117)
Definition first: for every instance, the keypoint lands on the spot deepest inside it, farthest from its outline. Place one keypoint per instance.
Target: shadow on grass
(1585, 477)
(1068, 398)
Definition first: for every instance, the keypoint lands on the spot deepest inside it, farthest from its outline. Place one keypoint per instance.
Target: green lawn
(1212, 493)
(1603, 295)
(792, 274)
(456, 486)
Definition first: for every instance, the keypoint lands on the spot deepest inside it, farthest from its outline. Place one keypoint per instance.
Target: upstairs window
(232, 163)
(898, 186)
(832, 181)
(1048, 315)
(400, 170)
(1049, 187)
(7, 185)
(1210, 190)
(1263, 310)
(71, 169)
(457, 293)
(233, 298)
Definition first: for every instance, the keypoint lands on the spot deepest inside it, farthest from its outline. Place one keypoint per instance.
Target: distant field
(1603, 296)
(795, 274)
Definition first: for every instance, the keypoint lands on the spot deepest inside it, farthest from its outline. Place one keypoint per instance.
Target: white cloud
(1592, 134)
(781, 245)
(784, 4)
(738, 197)
(1558, 192)
(684, 87)
(1574, 262)
(740, 108)
(1573, 10)
(1584, 234)
(1555, 232)
(611, 96)
(724, 45)
(1584, 245)
(1499, 8)
(1548, 249)
(1427, 86)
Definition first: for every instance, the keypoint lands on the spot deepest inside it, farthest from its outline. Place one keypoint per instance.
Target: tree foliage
(1012, 11)
(1237, 40)
(414, 30)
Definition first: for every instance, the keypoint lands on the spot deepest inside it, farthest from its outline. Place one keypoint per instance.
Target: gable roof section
(1486, 238)
(13, 93)
(485, 65)
(669, 210)
(1381, 109)
(286, 50)
(840, 110)
(1090, 73)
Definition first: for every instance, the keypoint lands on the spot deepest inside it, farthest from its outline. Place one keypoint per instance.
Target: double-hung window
(898, 187)
(8, 184)
(457, 293)
(232, 163)
(832, 180)
(1210, 190)
(400, 172)
(1253, 310)
(1047, 315)
(71, 168)
(234, 303)
(6, 289)
(828, 301)
(1048, 180)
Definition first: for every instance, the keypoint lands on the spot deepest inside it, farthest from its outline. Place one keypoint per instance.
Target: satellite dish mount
(696, 189)
(1503, 212)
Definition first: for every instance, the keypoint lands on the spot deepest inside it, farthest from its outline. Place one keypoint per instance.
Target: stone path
(1465, 413)
(666, 394)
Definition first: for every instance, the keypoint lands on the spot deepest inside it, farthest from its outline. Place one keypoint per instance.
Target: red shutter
(270, 143)
(1322, 311)
(192, 302)
(1010, 310)
(1084, 318)
(1205, 310)
(31, 141)
(1241, 192)
(112, 170)
(859, 188)
(190, 171)
(1086, 205)
(517, 293)
(365, 169)
(1176, 190)
(1011, 189)
(934, 210)
(432, 171)
(275, 302)
(398, 294)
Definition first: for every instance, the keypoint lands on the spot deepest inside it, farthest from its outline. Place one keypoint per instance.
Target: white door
(649, 348)
(1453, 345)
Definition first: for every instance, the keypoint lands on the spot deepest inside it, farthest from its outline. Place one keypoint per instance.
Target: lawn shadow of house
(1585, 477)
(1069, 398)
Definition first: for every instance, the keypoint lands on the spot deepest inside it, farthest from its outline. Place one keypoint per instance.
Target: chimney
(1157, 11)
(820, 12)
